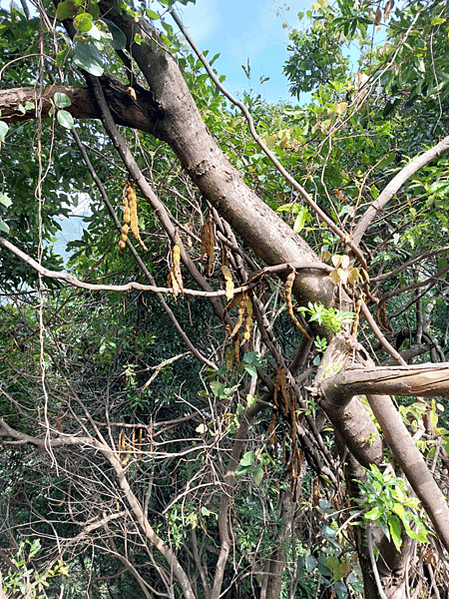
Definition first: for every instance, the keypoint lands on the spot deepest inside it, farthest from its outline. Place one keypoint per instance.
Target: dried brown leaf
(207, 243)
(378, 17)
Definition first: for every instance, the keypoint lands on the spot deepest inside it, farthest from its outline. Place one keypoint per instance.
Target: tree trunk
(275, 563)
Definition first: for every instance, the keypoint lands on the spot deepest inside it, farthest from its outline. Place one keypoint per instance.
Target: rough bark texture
(422, 380)
(179, 123)
(126, 112)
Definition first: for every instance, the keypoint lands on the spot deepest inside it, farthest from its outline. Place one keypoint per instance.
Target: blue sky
(239, 30)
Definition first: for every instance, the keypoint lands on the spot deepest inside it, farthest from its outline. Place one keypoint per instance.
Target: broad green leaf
(374, 513)
(152, 15)
(66, 10)
(4, 227)
(247, 459)
(165, 39)
(88, 57)
(395, 529)
(118, 37)
(65, 119)
(258, 474)
(61, 56)
(83, 22)
(98, 35)
(310, 563)
(398, 509)
(217, 388)
(250, 369)
(61, 100)
(93, 9)
(251, 357)
(5, 200)
(301, 219)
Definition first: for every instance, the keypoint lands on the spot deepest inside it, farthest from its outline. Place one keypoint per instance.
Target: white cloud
(200, 19)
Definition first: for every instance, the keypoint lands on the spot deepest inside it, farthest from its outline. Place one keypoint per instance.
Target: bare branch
(111, 456)
(395, 184)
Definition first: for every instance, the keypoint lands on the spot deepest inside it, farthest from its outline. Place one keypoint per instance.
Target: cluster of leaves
(388, 503)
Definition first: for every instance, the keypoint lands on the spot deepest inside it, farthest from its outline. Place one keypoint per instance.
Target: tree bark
(274, 565)
(335, 387)
(422, 380)
(126, 112)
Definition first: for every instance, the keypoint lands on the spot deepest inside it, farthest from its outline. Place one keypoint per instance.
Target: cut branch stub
(424, 380)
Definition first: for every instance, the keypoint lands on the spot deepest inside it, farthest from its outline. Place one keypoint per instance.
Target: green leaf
(395, 529)
(247, 459)
(61, 56)
(118, 37)
(165, 39)
(301, 219)
(83, 22)
(5, 200)
(152, 15)
(66, 10)
(4, 227)
(61, 100)
(3, 130)
(98, 35)
(398, 509)
(374, 514)
(217, 388)
(258, 474)
(251, 358)
(250, 369)
(310, 563)
(93, 9)
(88, 57)
(65, 119)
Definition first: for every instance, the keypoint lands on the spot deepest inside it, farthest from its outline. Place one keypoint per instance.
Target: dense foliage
(166, 439)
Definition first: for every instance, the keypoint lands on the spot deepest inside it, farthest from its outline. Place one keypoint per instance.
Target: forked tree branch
(336, 384)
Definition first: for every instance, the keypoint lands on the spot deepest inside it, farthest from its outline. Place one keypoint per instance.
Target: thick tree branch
(422, 380)
(181, 126)
(285, 174)
(134, 114)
